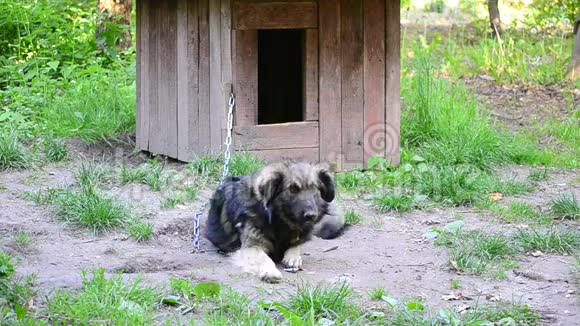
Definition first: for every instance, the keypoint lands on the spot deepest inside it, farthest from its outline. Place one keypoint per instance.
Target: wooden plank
(204, 79)
(216, 100)
(277, 136)
(274, 15)
(309, 154)
(142, 132)
(187, 85)
(155, 144)
(168, 78)
(374, 78)
(310, 83)
(352, 104)
(330, 93)
(226, 41)
(393, 80)
(246, 77)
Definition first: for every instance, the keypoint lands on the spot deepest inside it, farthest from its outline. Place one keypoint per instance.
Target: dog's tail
(332, 224)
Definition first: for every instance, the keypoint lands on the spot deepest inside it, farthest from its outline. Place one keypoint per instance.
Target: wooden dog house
(318, 79)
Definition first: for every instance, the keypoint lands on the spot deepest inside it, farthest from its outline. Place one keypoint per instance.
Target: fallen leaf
(496, 196)
(450, 297)
(537, 253)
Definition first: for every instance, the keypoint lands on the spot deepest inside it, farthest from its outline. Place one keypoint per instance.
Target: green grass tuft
(23, 239)
(552, 241)
(394, 202)
(566, 206)
(140, 231)
(105, 301)
(377, 294)
(352, 218)
(242, 164)
(316, 302)
(93, 174)
(13, 153)
(55, 150)
(89, 208)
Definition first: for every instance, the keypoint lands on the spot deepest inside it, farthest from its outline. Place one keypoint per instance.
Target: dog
(264, 218)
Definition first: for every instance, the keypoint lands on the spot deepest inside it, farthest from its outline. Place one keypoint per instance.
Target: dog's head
(298, 191)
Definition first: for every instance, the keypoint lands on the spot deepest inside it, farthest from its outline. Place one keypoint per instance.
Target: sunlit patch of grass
(55, 149)
(105, 300)
(140, 231)
(555, 240)
(13, 153)
(352, 218)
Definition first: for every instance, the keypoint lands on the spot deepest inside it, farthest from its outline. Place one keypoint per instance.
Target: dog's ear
(269, 184)
(325, 183)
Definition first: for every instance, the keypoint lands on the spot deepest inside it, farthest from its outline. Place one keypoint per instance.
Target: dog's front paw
(270, 274)
(292, 259)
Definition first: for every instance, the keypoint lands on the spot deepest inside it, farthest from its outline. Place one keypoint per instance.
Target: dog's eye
(294, 189)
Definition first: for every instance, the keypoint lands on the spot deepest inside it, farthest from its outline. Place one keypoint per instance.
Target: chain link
(225, 171)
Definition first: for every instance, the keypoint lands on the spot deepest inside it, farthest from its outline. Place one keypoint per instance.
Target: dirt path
(387, 250)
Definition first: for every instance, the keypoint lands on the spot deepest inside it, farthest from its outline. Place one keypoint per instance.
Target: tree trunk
(495, 21)
(574, 66)
(114, 24)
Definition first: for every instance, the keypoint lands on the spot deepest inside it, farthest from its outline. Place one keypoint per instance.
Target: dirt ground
(387, 250)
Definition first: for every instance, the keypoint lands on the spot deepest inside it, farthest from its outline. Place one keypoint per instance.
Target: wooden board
(393, 85)
(187, 81)
(226, 41)
(216, 100)
(274, 15)
(246, 77)
(168, 78)
(272, 155)
(142, 132)
(277, 136)
(310, 83)
(374, 78)
(204, 79)
(155, 143)
(329, 91)
(352, 83)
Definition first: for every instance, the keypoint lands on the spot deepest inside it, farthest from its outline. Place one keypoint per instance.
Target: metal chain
(225, 171)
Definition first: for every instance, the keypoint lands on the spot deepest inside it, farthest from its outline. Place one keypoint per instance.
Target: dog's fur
(266, 217)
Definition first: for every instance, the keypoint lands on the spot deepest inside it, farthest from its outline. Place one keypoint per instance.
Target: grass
(55, 150)
(539, 174)
(23, 239)
(93, 174)
(13, 153)
(90, 208)
(140, 231)
(101, 300)
(565, 206)
(454, 284)
(15, 292)
(555, 240)
(394, 202)
(478, 252)
(352, 218)
(377, 294)
(245, 164)
(519, 211)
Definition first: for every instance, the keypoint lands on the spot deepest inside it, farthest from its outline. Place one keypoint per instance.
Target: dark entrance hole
(280, 75)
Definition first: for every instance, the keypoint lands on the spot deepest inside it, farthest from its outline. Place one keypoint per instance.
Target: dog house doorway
(280, 75)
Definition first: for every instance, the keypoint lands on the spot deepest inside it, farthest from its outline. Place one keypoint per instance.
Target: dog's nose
(310, 215)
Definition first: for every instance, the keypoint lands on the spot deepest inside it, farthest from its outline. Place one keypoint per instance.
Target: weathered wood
(142, 129)
(352, 105)
(274, 15)
(155, 144)
(329, 71)
(310, 83)
(204, 79)
(309, 154)
(226, 41)
(393, 85)
(277, 136)
(215, 68)
(374, 78)
(168, 77)
(187, 81)
(246, 77)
